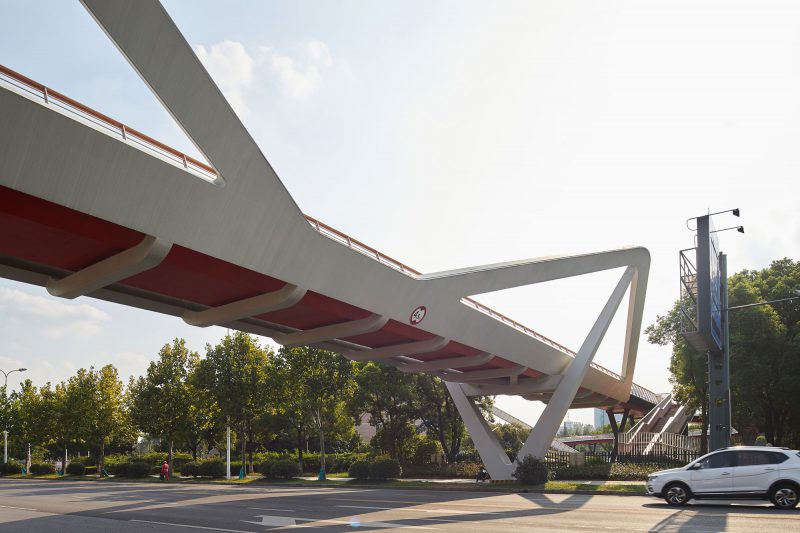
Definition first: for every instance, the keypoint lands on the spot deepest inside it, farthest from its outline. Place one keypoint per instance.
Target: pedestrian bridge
(91, 206)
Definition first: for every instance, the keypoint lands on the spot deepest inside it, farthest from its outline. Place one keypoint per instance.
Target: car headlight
(651, 478)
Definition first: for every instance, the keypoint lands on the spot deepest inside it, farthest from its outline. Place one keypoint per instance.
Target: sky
(454, 134)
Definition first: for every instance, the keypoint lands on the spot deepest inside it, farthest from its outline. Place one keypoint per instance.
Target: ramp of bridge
(89, 206)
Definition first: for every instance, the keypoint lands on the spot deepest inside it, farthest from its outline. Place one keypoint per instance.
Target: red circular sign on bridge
(418, 315)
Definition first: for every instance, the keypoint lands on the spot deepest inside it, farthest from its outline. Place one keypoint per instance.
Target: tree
(160, 401)
(235, 371)
(8, 413)
(765, 351)
(435, 407)
(29, 430)
(688, 368)
(203, 415)
(390, 397)
(317, 381)
(105, 410)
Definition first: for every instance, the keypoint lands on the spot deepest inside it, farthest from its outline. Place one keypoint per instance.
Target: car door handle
(725, 474)
(769, 469)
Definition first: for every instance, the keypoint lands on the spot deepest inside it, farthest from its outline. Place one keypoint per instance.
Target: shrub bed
(76, 468)
(10, 468)
(285, 469)
(531, 471)
(138, 469)
(190, 469)
(39, 469)
(382, 469)
(212, 469)
(359, 470)
(454, 470)
(612, 471)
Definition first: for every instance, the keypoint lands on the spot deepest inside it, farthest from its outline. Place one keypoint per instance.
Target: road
(88, 507)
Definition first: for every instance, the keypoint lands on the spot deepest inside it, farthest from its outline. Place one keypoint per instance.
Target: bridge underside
(87, 208)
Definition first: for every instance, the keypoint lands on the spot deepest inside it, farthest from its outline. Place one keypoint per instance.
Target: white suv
(743, 472)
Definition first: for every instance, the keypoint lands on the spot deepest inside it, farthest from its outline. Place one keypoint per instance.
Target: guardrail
(55, 98)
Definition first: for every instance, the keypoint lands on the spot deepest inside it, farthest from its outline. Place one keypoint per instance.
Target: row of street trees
(296, 398)
(765, 356)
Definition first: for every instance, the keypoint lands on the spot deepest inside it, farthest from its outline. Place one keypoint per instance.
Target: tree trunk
(64, 464)
(28, 460)
(101, 457)
(704, 427)
(169, 453)
(244, 450)
(321, 442)
(299, 447)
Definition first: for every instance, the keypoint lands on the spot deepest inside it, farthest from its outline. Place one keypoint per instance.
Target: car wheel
(784, 496)
(676, 494)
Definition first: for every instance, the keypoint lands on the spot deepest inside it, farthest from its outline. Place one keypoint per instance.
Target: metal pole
(5, 446)
(726, 353)
(228, 453)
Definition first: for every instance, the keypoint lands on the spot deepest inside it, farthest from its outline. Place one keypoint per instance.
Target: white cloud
(51, 317)
(300, 77)
(232, 69)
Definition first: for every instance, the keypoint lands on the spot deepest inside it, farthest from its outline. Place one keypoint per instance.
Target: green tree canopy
(160, 401)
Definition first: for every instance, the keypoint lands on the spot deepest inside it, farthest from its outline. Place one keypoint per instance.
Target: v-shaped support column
(492, 454)
(547, 426)
(541, 437)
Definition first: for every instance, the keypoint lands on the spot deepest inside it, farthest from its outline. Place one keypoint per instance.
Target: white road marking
(416, 510)
(367, 507)
(192, 527)
(20, 508)
(267, 520)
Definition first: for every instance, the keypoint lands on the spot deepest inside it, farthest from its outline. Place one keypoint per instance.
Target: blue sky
(453, 134)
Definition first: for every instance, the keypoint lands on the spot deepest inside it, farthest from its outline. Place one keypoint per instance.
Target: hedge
(138, 469)
(359, 470)
(212, 469)
(285, 469)
(39, 469)
(76, 468)
(10, 468)
(453, 470)
(531, 471)
(612, 471)
(382, 469)
(190, 469)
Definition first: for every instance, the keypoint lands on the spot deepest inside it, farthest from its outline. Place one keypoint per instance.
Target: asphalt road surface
(88, 507)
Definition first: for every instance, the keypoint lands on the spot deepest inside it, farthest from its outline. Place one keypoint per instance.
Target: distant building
(601, 418)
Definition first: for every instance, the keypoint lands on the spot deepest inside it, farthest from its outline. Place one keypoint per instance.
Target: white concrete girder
(369, 324)
(396, 350)
(285, 297)
(539, 385)
(444, 364)
(478, 375)
(144, 256)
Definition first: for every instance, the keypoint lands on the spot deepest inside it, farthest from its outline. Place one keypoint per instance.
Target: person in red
(165, 471)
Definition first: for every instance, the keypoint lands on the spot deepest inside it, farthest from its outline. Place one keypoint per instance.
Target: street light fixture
(5, 430)
(740, 229)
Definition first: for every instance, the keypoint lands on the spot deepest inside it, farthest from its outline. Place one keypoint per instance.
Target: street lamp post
(5, 429)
